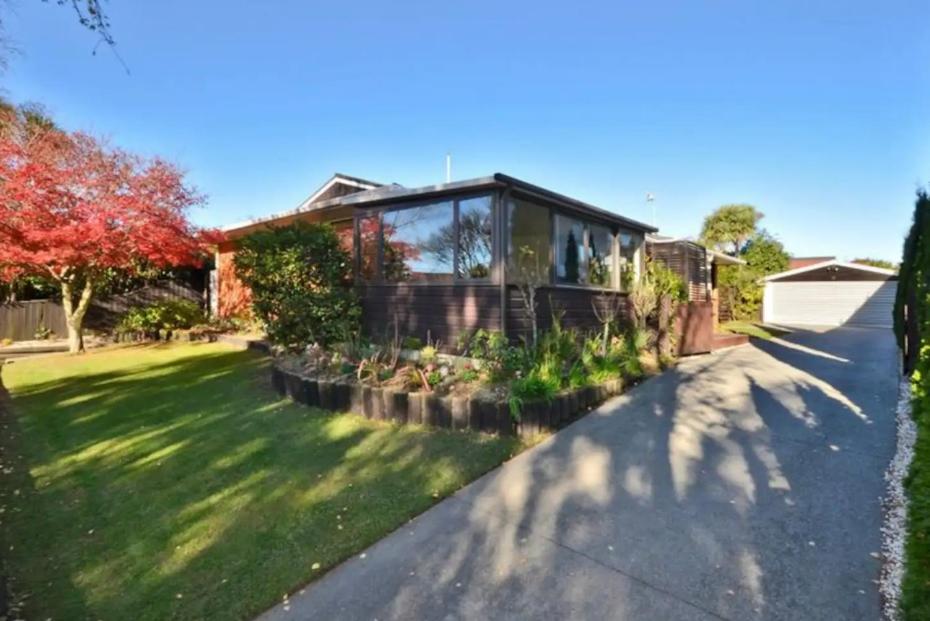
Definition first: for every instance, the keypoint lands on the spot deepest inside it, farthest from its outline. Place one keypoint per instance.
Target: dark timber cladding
(574, 306)
(441, 312)
(688, 260)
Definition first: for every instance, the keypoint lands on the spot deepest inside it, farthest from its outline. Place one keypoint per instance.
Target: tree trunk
(74, 315)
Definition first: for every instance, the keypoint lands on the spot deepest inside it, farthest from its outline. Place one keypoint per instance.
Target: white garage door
(866, 303)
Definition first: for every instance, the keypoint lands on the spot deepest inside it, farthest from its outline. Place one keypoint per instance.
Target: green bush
(741, 286)
(913, 295)
(501, 359)
(300, 278)
(161, 315)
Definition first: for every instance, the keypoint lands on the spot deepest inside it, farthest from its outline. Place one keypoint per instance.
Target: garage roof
(866, 269)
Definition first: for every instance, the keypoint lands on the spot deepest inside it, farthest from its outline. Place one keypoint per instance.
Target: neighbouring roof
(796, 262)
(337, 186)
(719, 258)
(373, 194)
(832, 263)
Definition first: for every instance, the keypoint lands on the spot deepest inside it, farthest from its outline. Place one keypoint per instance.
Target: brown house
(447, 259)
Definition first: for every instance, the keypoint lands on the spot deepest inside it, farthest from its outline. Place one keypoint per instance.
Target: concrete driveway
(741, 485)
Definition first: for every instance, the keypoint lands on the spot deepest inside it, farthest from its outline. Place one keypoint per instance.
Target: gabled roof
(354, 184)
(796, 262)
(831, 263)
(324, 193)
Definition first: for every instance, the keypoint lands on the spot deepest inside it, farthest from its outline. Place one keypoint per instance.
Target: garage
(830, 293)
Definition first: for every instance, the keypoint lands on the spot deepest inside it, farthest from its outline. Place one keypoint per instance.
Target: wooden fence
(105, 313)
(20, 321)
(695, 328)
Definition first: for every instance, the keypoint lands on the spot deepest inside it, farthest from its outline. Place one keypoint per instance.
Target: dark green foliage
(501, 359)
(730, 227)
(666, 281)
(913, 295)
(882, 263)
(741, 286)
(741, 291)
(915, 596)
(915, 263)
(299, 276)
(765, 255)
(162, 315)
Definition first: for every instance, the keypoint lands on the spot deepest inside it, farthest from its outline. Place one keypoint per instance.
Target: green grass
(170, 482)
(915, 590)
(752, 329)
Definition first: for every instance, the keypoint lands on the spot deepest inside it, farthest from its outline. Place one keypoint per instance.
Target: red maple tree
(71, 208)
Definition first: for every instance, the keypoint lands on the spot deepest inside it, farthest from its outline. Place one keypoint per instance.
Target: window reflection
(528, 242)
(368, 237)
(475, 238)
(629, 246)
(418, 243)
(569, 251)
(600, 256)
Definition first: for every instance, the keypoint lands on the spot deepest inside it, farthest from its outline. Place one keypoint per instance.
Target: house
(697, 266)
(830, 293)
(448, 259)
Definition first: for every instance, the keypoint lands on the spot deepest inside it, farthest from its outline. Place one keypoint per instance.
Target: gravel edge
(894, 527)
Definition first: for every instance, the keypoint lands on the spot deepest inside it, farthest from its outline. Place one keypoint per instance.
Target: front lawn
(154, 482)
(751, 328)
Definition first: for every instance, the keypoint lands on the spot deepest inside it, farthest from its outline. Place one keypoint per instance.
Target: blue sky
(817, 113)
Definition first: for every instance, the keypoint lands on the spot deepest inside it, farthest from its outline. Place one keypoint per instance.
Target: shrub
(537, 385)
(412, 342)
(501, 359)
(161, 315)
(300, 278)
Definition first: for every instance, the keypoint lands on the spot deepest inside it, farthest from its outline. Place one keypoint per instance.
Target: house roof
(796, 262)
(716, 257)
(723, 258)
(830, 263)
(314, 201)
(370, 193)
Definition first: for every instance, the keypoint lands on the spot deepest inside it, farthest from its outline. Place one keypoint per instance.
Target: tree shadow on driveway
(742, 485)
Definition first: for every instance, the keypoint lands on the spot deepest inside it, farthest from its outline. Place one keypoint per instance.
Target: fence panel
(19, 321)
(105, 313)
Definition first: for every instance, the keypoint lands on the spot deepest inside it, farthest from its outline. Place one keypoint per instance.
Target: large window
(582, 252)
(475, 238)
(369, 234)
(425, 243)
(528, 237)
(570, 264)
(600, 256)
(419, 243)
(630, 244)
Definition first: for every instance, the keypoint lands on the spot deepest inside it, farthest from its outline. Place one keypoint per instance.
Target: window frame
(381, 210)
(616, 284)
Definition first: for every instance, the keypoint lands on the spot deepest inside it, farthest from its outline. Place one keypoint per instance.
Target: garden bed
(450, 412)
